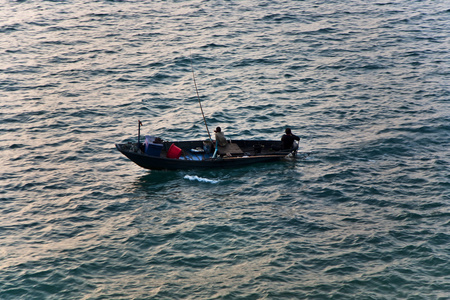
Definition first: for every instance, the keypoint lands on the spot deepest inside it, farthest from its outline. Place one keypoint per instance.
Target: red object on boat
(174, 152)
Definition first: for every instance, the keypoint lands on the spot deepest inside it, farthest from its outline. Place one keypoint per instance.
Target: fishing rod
(199, 102)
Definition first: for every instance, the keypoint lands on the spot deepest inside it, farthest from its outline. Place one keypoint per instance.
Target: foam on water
(200, 179)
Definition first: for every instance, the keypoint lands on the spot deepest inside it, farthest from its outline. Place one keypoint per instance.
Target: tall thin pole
(139, 132)
(199, 102)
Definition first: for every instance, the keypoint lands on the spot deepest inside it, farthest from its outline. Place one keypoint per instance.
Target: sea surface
(365, 84)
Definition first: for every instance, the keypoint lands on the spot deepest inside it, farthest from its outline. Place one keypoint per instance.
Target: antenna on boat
(198, 97)
(139, 132)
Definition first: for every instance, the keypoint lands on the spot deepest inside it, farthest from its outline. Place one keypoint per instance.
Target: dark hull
(266, 151)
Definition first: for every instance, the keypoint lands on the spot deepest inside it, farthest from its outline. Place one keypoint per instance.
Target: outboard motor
(294, 148)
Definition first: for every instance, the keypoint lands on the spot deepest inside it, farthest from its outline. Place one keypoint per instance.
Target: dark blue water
(364, 83)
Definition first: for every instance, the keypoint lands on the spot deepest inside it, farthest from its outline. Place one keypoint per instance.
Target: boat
(156, 154)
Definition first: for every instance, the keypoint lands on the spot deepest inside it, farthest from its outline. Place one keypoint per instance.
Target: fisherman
(288, 139)
(220, 137)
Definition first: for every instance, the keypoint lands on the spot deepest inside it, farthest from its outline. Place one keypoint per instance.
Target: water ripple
(363, 215)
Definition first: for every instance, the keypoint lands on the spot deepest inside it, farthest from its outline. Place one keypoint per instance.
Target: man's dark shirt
(288, 140)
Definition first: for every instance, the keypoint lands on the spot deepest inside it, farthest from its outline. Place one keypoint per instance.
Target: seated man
(220, 137)
(288, 139)
(220, 140)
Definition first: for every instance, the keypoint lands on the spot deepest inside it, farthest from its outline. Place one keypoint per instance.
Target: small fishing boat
(155, 154)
